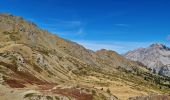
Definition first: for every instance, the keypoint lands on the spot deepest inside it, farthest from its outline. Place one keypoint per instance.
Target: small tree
(157, 81)
(145, 78)
(154, 71)
(108, 91)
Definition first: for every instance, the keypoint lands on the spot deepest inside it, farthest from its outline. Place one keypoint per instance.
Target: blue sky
(119, 25)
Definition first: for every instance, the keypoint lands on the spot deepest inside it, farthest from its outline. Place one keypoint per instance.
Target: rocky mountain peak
(156, 57)
(159, 46)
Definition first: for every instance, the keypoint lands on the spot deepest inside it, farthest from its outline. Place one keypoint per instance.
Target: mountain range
(38, 65)
(156, 57)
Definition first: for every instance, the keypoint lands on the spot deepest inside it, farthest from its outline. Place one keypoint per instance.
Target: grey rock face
(156, 57)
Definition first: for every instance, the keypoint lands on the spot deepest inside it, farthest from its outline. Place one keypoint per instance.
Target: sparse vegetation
(108, 91)
(49, 98)
(87, 90)
(57, 98)
(68, 64)
(93, 92)
(28, 95)
(37, 68)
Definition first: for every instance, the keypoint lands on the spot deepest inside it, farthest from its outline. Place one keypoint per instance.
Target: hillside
(37, 65)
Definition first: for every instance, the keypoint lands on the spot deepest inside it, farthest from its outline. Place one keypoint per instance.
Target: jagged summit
(160, 46)
(156, 44)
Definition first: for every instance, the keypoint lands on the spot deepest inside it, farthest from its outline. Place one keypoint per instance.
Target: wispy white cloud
(58, 22)
(168, 37)
(122, 25)
(119, 46)
(61, 27)
(80, 31)
(74, 23)
(76, 32)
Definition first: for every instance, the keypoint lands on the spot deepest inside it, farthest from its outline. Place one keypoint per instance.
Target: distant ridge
(156, 57)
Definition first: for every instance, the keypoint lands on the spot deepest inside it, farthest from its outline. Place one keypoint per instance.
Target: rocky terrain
(152, 97)
(155, 57)
(37, 65)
